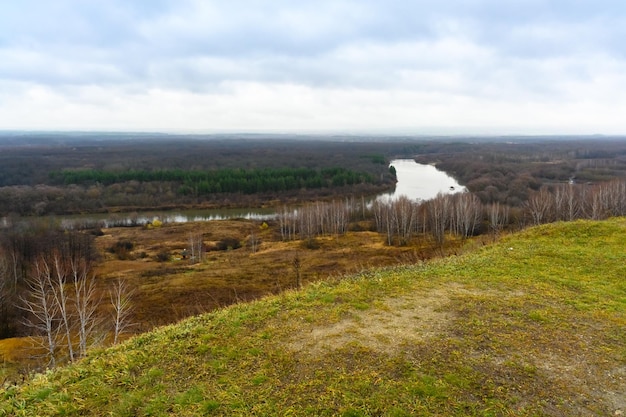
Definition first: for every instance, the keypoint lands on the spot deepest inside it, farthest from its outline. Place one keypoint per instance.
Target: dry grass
(169, 291)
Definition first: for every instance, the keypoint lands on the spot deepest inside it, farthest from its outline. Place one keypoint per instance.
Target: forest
(82, 175)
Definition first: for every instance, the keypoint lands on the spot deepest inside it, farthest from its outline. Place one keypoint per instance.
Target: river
(416, 181)
(420, 181)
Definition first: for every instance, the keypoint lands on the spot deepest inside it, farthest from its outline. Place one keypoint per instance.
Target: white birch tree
(121, 300)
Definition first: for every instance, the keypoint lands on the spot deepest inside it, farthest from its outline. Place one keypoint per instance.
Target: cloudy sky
(354, 66)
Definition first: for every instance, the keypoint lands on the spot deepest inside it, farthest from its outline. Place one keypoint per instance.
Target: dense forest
(202, 183)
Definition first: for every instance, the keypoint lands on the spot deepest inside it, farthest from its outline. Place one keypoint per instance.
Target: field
(176, 288)
(167, 288)
(534, 325)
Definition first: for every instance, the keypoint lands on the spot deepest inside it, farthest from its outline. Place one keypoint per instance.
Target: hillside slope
(533, 325)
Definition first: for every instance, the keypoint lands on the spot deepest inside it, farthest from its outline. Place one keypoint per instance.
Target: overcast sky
(422, 67)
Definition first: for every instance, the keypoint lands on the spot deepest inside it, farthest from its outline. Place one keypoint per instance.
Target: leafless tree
(286, 223)
(121, 299)
(377, 210)
(540, 206)
(56, 311)
(338, 217)
(405, 216)
(567, 204)
(56, 272)
(617, 197)
(439, 213)
(498, 218)
(253, 241)
(196, 247)
(43, 310)
(86, 303)
(307, 222)
(467, 213)
(389, 222)
(598, 203)
(321, 213)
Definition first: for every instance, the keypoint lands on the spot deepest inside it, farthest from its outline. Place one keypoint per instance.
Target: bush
(122, 249)
(163, 256)
(228, 243)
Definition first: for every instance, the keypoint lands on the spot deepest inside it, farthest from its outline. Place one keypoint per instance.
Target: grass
(534, 325)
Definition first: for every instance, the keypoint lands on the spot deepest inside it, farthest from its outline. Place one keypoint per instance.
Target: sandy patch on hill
(383, 328)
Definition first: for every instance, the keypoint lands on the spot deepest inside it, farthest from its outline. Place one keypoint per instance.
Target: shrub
(122, 249)
(228, 243)
(163, 256)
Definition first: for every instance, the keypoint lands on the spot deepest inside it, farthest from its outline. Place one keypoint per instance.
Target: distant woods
(67, 175)
(248, 181)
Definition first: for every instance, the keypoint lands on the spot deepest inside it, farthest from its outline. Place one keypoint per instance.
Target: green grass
(533, 325)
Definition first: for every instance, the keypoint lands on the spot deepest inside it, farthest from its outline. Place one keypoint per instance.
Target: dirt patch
(384, 327)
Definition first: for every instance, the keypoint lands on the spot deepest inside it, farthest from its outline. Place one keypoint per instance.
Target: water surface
(420, 181)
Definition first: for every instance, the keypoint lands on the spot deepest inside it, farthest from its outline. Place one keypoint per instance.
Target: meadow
(533, 325)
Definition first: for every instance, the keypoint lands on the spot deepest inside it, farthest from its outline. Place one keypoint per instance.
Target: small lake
(416, 181)
(420, 181)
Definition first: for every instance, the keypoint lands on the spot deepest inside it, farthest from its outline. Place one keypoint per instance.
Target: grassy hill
(533, 325)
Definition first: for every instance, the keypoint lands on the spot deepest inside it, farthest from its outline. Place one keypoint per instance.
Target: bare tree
(86, 303)
(253, 241)
(573, 202)
(286, 223)
(405, 216)
(617, 197)
(321, 213)
(57, 275)
(467, 213)
(377, 210)
(439, 213)
(598, 203)
(121, 299)
(540, 206)
(43, 310)
(56, 311)
(196, 247)
(338, 217)
(498, 218)
(307, 222)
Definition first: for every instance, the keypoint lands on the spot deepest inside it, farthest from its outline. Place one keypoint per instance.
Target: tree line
(247, 181)
(461, 214)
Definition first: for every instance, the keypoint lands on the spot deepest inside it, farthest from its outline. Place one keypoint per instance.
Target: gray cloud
(518, 52)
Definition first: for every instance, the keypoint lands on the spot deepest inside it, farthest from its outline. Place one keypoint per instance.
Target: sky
(362, 66)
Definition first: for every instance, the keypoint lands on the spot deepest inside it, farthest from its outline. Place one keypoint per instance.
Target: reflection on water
(420, 182)
(176, 216)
